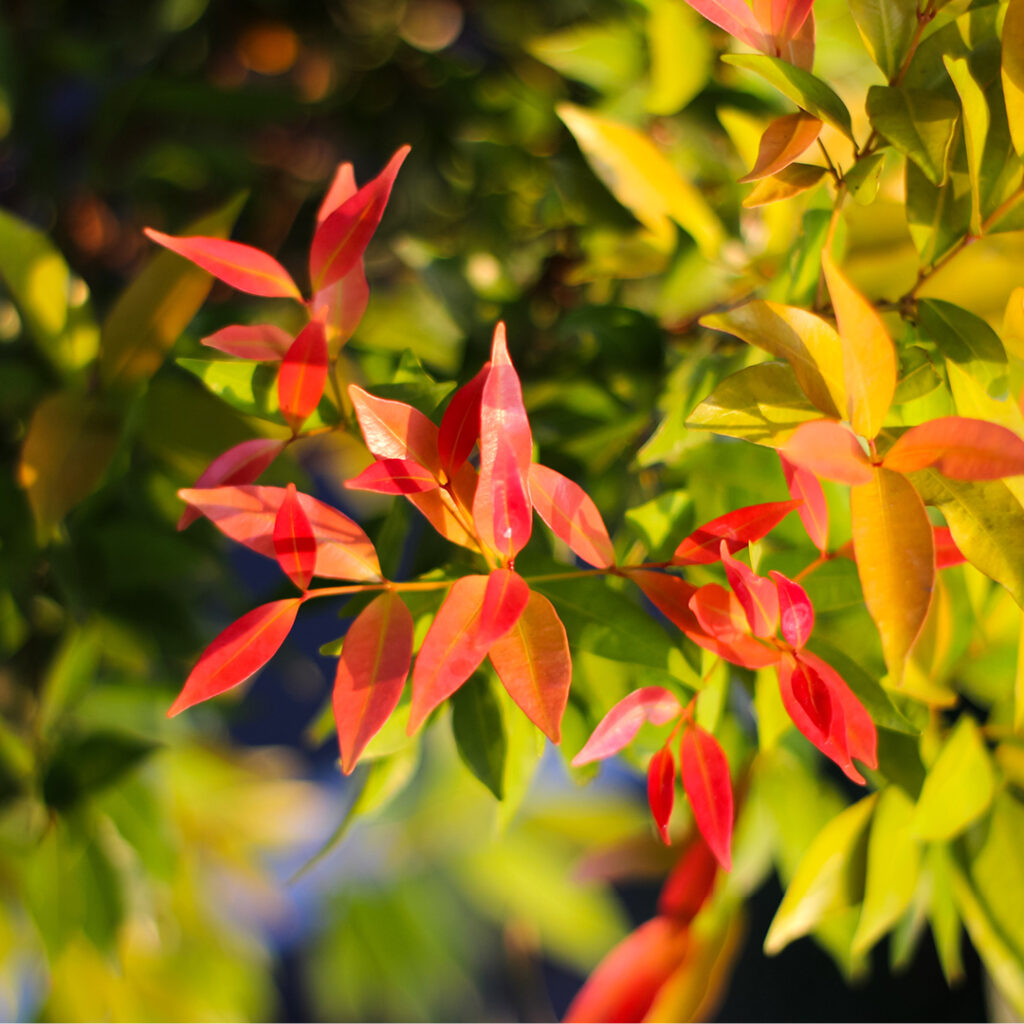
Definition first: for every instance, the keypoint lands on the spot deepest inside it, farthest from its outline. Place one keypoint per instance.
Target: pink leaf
(804, 486)
(705, 772)
(661, 790)
(372, 669)
(242, 464)
(303, 374)
(719, 612)
(262, 342)
(759, 597)
(341, 306)
(294, 543)
(735, 18)
(342, 187)
(238, 652)
(616, 730)
(796, 613)
(342, 237)
(393, 476)
(830, 450)
(571, 515)
(241, 266)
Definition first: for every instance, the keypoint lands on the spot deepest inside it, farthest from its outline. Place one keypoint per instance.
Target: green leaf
(829, 879)
(921, 125)
(965, 338)
(1013, 71)
(663, 522)
(959, 786)
(762, 403)
(894, 860)
(606, 56)
(947, 929)
(251, 388)
(72, 669)
(918, 376)
(806, 91)
(863, 178)
(157, 306)
(83, 765)
(52, 305)
(480, 732)
(680, 56)
(938, 216)
(987, 523)
(887, 28)
(976, 125)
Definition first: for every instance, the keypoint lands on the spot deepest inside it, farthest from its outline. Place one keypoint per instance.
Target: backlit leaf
(395, 430)
(393, 476)
(736, 18)
(460, 425)
(371, 673)
(807, 92)
(975, 122)
(887, 28)
(759, 596)
(533, 663)
(808, 343)
(719, 612)
(869, 359)
(737, 529)
(784, 184)
(616, 730)
(892, 537)
(479, 732)
(783, 141)
(705, 772)
(247, 513)
(690, 883)
(828, 877)
(946, 551)
(958, 788)
(241, 266)
(965, 338)
(265, 342)
(796, 614)
(1013, 71)
(806, 488)
(342, 186)
(238, 652)
(294, 543)
(303, 374)
(572, 515)
(808, 702)
(958, 447)
(920, 124)
(828, 449)
(343, 235)
(661, 790)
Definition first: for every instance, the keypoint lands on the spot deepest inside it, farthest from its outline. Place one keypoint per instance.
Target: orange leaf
(238, 652)
(869, 359)
(262, 342)
(247, 513)
(340, 306)
(395, 430)
(294, 542)
(661, 790)
(342, 187)
(782, 142)
(342, 236)
(828, 450)
(372, 669)
(734, 17)
(241, 266)
(534, 665)
(719, 612)
(616, 730)
(960, 448)
(737, 529)
(572, 515)
(804, 486)
(895, 552)
(303, 374)
(705, 772)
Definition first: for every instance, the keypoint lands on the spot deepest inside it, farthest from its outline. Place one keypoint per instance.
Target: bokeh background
(146, 867)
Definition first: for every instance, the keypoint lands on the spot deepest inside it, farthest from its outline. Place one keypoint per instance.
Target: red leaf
(478, 611)
(374, 663)
(661, 790)
(626, 982)
(303, 374)
(262, 342)
(616, 730)
(571, 515)
(247, 513)
(783, 18)
(393, 476)
(394, 430)
(719, 612)
(342, 187)
(737, 528)
(240, 651)
(343, 235)
(705, 772)
(294, 543)
(533, 663)
(460, 425)
(502, 512)
(808, 702)
(861, 735)
(960, 448)
(672, 595)
(241, 266)
(804, 486)
(830, 450)
(736, 18)
(796, 613)
(242, 464)
(759, 596)
(341, 306)
(689, 885)
(946, 551)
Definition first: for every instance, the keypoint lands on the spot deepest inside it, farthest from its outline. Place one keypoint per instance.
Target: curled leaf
(782, 142)
(796, 613)
(758, 596)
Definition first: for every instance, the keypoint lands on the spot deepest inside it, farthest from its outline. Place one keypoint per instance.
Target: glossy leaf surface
(395, 430)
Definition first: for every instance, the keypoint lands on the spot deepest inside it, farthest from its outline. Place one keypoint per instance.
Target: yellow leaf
(869, 359)
(892, 539)
(642, 179)
(785, 184)
(807, 342)
(69, 445)
(1013, 71)
(782, 142)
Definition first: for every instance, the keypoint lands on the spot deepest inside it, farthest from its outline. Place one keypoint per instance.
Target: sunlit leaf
(571, 514)
(975, 122)
(616, 730)
(782, 142)
(784, 184)
(887, 28)
(294, 541)
(920, 124)
(1013, 71)
(393, 476)
(736, 529)
(958, 447)
(759, 596)
(395, 430)
(251, 341)
(827, 449)
(303, 375)
(661, 790)
(796, 614)
(460, 425)
(705, 773)
(238, 652)
(806, 488)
